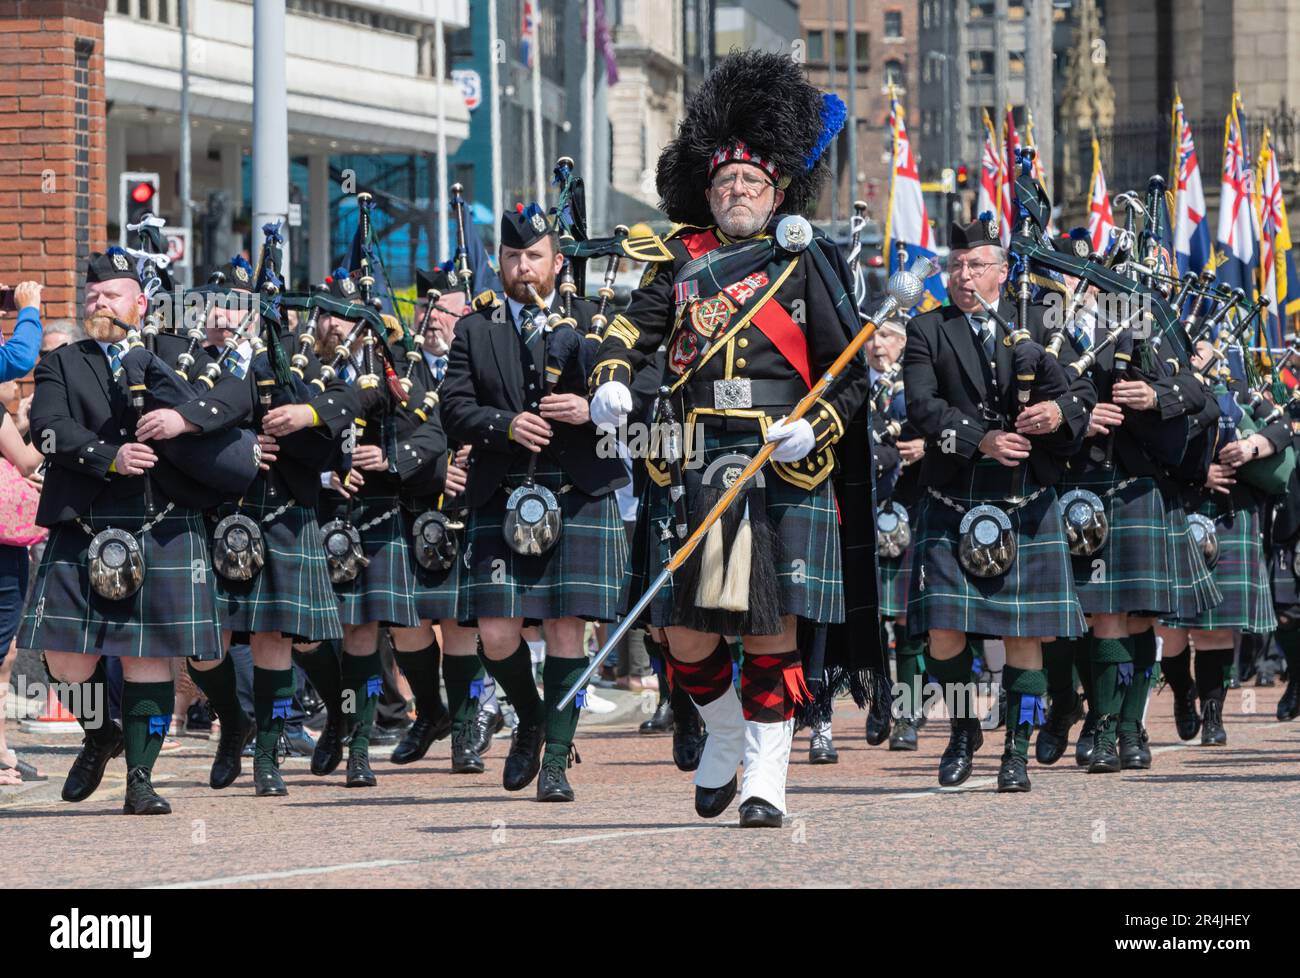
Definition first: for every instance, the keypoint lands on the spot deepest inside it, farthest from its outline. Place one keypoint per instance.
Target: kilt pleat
(435, 591)
(174, 613)
(1285, 585)
(1036, 597)
(1240, 573)
(895, 579)
(805, 524)
(583, 576)
(1130, 574)
(291, 594)
(1194, 587)
(384, 591)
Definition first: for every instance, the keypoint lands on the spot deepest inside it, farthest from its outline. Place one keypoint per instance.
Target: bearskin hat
(757, 107)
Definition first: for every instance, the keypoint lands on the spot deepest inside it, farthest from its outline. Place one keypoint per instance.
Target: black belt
(742, 394)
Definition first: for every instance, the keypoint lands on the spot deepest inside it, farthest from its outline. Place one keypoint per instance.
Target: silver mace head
(906, 286)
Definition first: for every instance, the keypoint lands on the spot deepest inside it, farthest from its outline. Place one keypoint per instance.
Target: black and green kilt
(1193, 588)
(1240, 574)
(291, 594)
(804, 524)
(1130, 574)
(895, 579)
(384, 591)
(582, 576)
(435, 591)
(1036, 597)
(1285, 585)
(173, 614)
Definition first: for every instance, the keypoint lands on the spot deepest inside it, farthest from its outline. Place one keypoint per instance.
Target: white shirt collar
(516, 308)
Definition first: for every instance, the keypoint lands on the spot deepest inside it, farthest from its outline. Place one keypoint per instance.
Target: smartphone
(7, 302)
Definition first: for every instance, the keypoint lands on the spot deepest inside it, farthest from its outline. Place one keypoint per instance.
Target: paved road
(1201, 817)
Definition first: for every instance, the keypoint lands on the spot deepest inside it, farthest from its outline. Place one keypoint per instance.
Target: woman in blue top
(18, 354)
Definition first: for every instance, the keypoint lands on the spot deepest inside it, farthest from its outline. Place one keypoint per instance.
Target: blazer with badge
(84, 415)
(949, 397)
(485, 388)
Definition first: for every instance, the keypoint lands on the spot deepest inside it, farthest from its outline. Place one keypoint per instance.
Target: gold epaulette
(487, 299)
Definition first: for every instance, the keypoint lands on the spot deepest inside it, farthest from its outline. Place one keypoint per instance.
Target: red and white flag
(991, 167)
(1008, 195)
(1100, 217)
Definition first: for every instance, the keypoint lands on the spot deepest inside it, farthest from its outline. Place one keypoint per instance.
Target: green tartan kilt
(384, 591)
(583, 576)
(1130, 574)
(174, 613)
(805, 525)
(895, 579)
(1036, 597)
(1240, 574)
(435, 591)
(1194, 588)
(291, 594)
(1286, 587)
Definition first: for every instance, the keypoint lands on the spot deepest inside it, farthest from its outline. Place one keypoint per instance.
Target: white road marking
(287, 874)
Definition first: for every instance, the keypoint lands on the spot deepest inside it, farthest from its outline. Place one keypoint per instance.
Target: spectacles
(749, 184)
(974, 268)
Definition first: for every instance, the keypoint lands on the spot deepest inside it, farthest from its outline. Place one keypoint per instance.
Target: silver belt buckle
(736, 393)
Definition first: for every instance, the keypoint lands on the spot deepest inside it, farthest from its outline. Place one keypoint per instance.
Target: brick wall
(52, 146)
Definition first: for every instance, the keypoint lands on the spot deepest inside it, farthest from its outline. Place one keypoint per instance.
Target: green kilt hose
(291, 594)
(582, 576)
(435, 591)
(1193, 586)
(1036, 597)
(384, 591)
(1239, 573)
(1130, 574)
(173, 615)
(805, 528)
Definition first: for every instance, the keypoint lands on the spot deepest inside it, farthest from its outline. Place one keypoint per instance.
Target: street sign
(178, 246)
(471, 86)
(295, 215)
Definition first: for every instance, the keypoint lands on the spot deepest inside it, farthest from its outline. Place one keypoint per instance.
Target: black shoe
(1187, 719)
(420, 737)
(484, 727)
(525, 757)
(299, 743)
(662, 720)
(821, 749)
(712, 802)
(552, 783)
(359, 773)
(959, 756)
(88, 769)
(1013, 775)
(1083, 747)
(329, 747)
(465, 758)
(1288, 707)
(267, 783)
(689, 737)
(227, 765)
(1144, 746)
(141, 799)
(1054, 735)
(878, 720)
(312, 704)
(755, 813)
(1133, 755)
(383, 736)
(1212, 732)
(1105, 749)
(198, 718)
(903, 736)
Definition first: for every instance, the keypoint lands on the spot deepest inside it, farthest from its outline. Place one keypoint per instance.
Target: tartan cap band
(738, 151)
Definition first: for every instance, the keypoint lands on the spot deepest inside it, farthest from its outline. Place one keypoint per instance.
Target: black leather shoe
(712, 802)
(662, 720)
(1132, 755)
(525, 757)
(382, 736)
(485, 725)
(1288, 707)
(1087, 740)
(821, 749)
(903, 736)
(1212, 732)
(1144, 746)
(755, 813)
(959, 756)
(1187, 719)
(1013, 775)
(141, 799)
(1054, 735)
(267, 783)
(88, 769)
(359, 773)
(329, 747)
(228, 763)
(552, 783)
(689, 737)
(420, 737)
(878, 721)
(1105, 749)
(464, 758)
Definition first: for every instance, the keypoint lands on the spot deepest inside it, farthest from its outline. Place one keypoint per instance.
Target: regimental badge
(539, 223)
(794, 233)
(347, 286)
(684, 351)
(993, 226)
(711, 315)
(241, 273)
(744, 290)
(120, 263)
(452, 280)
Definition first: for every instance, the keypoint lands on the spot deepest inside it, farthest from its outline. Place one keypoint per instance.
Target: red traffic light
(962, 175)
(142, 193)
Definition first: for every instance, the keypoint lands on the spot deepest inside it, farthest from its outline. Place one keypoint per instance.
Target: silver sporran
(1206, 537)
(343, 551)
(988, 544)
(533, 522)
(1086, 525)
(434, 540)
(238, 548)
(116, 564)
(893, 530)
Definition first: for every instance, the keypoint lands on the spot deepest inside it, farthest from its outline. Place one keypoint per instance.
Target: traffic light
(139, 197)
(962, 177)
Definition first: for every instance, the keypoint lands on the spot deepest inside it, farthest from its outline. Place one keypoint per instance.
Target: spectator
(18, 356)
(58, 333)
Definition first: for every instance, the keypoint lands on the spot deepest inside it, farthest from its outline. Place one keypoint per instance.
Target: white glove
(793, 440)
(610, 405)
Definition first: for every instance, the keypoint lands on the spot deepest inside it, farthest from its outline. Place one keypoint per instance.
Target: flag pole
(539, 148)
(494, 97)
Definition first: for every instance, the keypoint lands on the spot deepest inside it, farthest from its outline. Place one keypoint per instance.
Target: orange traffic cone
(55, 719)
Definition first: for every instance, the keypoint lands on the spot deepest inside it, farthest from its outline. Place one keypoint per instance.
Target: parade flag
(528, 35)
(1191, 216)
(991, 167)
(907, 226)
(1100, 217)
(1038, 165)
(1237, 219)
(1007, 197)
(1275, 242)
